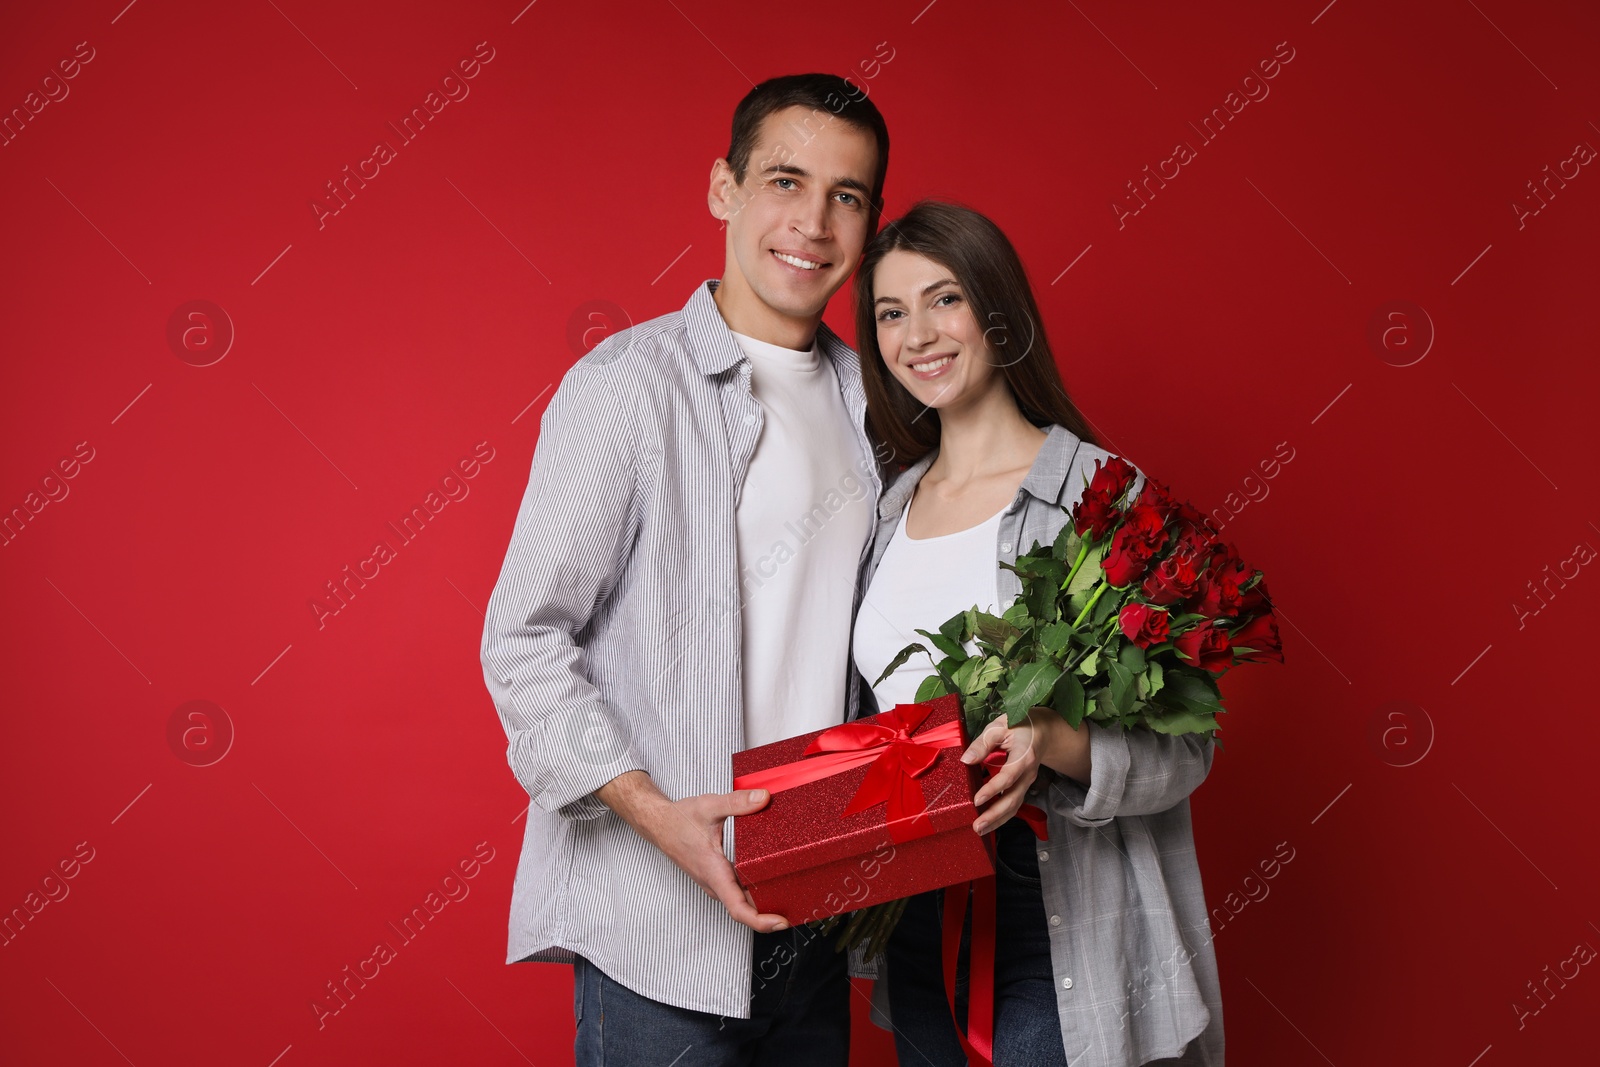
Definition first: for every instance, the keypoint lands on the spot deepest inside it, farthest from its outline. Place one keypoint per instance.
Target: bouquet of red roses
(1127, 620)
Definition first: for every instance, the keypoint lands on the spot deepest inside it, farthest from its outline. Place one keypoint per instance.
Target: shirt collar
(715, 349)
(1045, 481)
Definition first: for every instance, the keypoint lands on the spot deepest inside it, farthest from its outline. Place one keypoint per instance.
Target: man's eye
(779, 182)
(850, 198)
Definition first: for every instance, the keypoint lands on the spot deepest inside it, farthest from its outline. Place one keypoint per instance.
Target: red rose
(1128, 559)
(1206, 646)
(1097, 513)
(1113, 479)
(1156, 495)
(1149, 525)
(1094, 516)
(1143, 625)
(1256, 601)
(1220, 584)
(1172, 580)
(1195, 541)
(1261, 634)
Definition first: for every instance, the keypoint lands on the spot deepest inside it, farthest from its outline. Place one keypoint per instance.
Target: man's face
(799, 220)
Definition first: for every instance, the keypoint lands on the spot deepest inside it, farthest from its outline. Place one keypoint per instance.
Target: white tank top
(919, 583)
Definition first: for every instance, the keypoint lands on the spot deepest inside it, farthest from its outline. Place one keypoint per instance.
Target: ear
(720, 194)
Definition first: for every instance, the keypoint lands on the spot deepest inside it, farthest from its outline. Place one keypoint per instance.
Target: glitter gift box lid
(804, 828)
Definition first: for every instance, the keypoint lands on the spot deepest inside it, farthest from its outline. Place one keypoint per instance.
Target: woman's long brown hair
(990, 274)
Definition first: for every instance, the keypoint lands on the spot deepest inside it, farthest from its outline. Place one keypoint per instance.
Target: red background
(433, 312)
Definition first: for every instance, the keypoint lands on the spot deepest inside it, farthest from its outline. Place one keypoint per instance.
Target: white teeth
(933, 365)
(802, 264)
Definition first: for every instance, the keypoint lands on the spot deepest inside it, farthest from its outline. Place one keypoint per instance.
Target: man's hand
(689, 833)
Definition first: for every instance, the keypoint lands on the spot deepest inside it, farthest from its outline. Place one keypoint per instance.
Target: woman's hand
(1044, 740)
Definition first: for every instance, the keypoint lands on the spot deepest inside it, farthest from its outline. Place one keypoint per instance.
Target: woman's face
(927, 333)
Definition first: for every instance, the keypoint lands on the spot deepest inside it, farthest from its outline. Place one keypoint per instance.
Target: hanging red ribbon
(896, 759)
(978, 1039)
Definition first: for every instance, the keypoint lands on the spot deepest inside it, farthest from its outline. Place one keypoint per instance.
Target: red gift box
(868, 811)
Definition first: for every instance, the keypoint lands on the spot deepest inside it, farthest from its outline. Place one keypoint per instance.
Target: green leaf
(1121, 685)
(1031, 684)
(1067, 543)
(955, 628)
(1054, 637)
(1182, 722)
(1100, 707)
(950, 648)
(1068, 698)
(932, 686)
(1156, 675)
(1132, 657)
(903, 655)
(1103, 609)
(1090, 665)
(994, 629)
(976, 710)
(1189, 690)
(1089, 572)
(1042, 568)
(975, 674)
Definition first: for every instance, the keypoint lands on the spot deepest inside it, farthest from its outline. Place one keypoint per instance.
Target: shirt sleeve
(568, 549)
(1132, 772)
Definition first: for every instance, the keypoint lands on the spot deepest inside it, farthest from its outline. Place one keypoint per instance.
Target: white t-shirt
(805, 512)
(919, 583)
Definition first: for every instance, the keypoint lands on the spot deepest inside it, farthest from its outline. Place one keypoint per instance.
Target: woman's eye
(946, 296)
(884, 317)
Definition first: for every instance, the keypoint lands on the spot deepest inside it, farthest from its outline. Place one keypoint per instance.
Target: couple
(698, 567)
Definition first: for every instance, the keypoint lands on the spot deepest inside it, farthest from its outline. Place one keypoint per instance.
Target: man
(680, 584)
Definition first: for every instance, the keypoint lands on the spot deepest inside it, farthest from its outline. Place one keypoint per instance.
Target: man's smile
(798, 261)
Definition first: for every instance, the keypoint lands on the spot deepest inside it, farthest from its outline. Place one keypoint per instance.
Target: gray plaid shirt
(1130, 940)
(613, 639)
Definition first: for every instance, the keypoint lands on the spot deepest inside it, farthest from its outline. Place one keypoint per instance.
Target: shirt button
(1044, 855)
(1055, 920)
(749, 420)
(1006, 547)
(1066, 983)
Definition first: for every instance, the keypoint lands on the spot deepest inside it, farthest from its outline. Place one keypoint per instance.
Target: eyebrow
(800, 172)
(926, 289)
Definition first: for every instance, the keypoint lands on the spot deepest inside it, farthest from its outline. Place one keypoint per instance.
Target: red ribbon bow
(896, 759)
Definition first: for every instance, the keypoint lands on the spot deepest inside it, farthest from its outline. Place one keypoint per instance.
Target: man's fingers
(738, 802)
(741, 905)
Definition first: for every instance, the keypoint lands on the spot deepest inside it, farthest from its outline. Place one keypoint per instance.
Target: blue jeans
(799, 1013)
(1027, 1026)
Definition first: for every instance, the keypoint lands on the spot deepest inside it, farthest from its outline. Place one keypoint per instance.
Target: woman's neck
(982, 439)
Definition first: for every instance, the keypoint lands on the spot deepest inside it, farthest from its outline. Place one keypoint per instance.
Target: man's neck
(745, 313)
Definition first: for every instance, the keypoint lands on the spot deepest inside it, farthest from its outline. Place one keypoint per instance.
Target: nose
(811, 217)
(920, 331)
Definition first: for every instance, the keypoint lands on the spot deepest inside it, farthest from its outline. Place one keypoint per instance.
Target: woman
(1104, 954)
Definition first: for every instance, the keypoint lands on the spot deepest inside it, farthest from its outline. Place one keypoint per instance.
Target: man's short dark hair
(829, 97)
